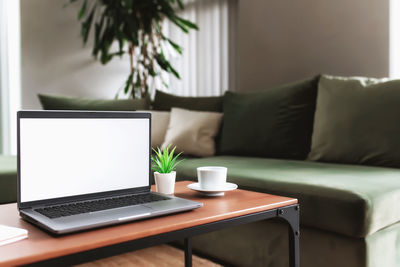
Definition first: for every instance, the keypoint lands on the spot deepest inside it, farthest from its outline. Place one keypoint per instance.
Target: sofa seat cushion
(347, 199)
(8, 179)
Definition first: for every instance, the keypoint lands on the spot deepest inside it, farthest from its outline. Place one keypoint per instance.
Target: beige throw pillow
(159, 126)
(193, 132)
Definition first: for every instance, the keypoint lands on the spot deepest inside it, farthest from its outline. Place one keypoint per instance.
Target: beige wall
(285, 40)
(53, 58)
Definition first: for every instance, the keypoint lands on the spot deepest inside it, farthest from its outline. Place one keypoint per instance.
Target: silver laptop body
(69, 158)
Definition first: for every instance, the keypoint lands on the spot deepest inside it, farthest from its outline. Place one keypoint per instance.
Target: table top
(40, 245)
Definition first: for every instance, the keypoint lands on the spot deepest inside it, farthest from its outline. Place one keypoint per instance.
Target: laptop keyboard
(98, 205)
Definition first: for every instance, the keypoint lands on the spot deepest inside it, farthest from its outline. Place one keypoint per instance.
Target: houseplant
(164, 164)
(136, 26)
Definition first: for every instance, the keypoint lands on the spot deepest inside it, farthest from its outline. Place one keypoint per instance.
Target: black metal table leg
(291, 215)
(188, 252)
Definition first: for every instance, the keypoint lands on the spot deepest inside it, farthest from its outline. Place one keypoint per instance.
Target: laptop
(79, 170)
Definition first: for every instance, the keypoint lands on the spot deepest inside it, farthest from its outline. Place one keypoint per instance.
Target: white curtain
(10, 77)
(207, 64)
(394, 39)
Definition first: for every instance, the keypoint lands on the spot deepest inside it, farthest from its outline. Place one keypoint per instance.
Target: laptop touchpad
(133, 211)
(124, 213)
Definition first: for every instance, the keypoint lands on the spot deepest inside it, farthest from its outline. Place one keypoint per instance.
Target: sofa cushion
(347, 199)
(357, 121)
(193, 132)
(51, 102)
(8, 179)
(275, 123)
(165, 101)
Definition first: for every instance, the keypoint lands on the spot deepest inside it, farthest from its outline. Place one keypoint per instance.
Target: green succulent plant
(164, 160)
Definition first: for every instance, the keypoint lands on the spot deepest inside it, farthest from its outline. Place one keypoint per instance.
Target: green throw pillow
(275, 123)
(357, 121)
(50, 102)
(165, 102)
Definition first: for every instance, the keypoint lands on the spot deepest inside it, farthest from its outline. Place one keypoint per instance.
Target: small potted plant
(164, 164)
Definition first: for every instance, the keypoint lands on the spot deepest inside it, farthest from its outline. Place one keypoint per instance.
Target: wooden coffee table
(235, 208)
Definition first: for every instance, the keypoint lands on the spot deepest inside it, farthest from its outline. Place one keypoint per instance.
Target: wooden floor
(157, 256)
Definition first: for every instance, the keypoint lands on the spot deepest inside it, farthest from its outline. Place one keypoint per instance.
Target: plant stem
(145, 70)
(131, 52)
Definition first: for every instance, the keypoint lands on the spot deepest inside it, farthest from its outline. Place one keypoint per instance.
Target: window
(207, 66)
(10, 82)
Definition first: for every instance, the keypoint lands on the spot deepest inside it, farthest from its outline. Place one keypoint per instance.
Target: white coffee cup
(211, 177)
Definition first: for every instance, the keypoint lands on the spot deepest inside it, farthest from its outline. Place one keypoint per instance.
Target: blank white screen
(66, 157)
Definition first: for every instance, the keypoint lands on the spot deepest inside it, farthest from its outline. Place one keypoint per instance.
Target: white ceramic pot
(165, 182)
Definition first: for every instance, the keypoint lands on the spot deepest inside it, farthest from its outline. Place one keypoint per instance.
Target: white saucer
(213, 192)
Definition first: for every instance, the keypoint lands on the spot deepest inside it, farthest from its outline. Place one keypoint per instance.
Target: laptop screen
(63, 157)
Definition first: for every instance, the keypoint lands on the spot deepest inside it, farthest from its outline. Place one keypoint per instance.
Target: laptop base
(84, 221)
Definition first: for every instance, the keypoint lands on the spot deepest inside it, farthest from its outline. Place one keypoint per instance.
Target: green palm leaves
(134, 27)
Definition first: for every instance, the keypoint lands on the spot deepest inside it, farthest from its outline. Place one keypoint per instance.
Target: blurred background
(241, 45)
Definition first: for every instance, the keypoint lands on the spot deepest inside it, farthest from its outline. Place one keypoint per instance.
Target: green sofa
(8, 179)
(349, 211)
